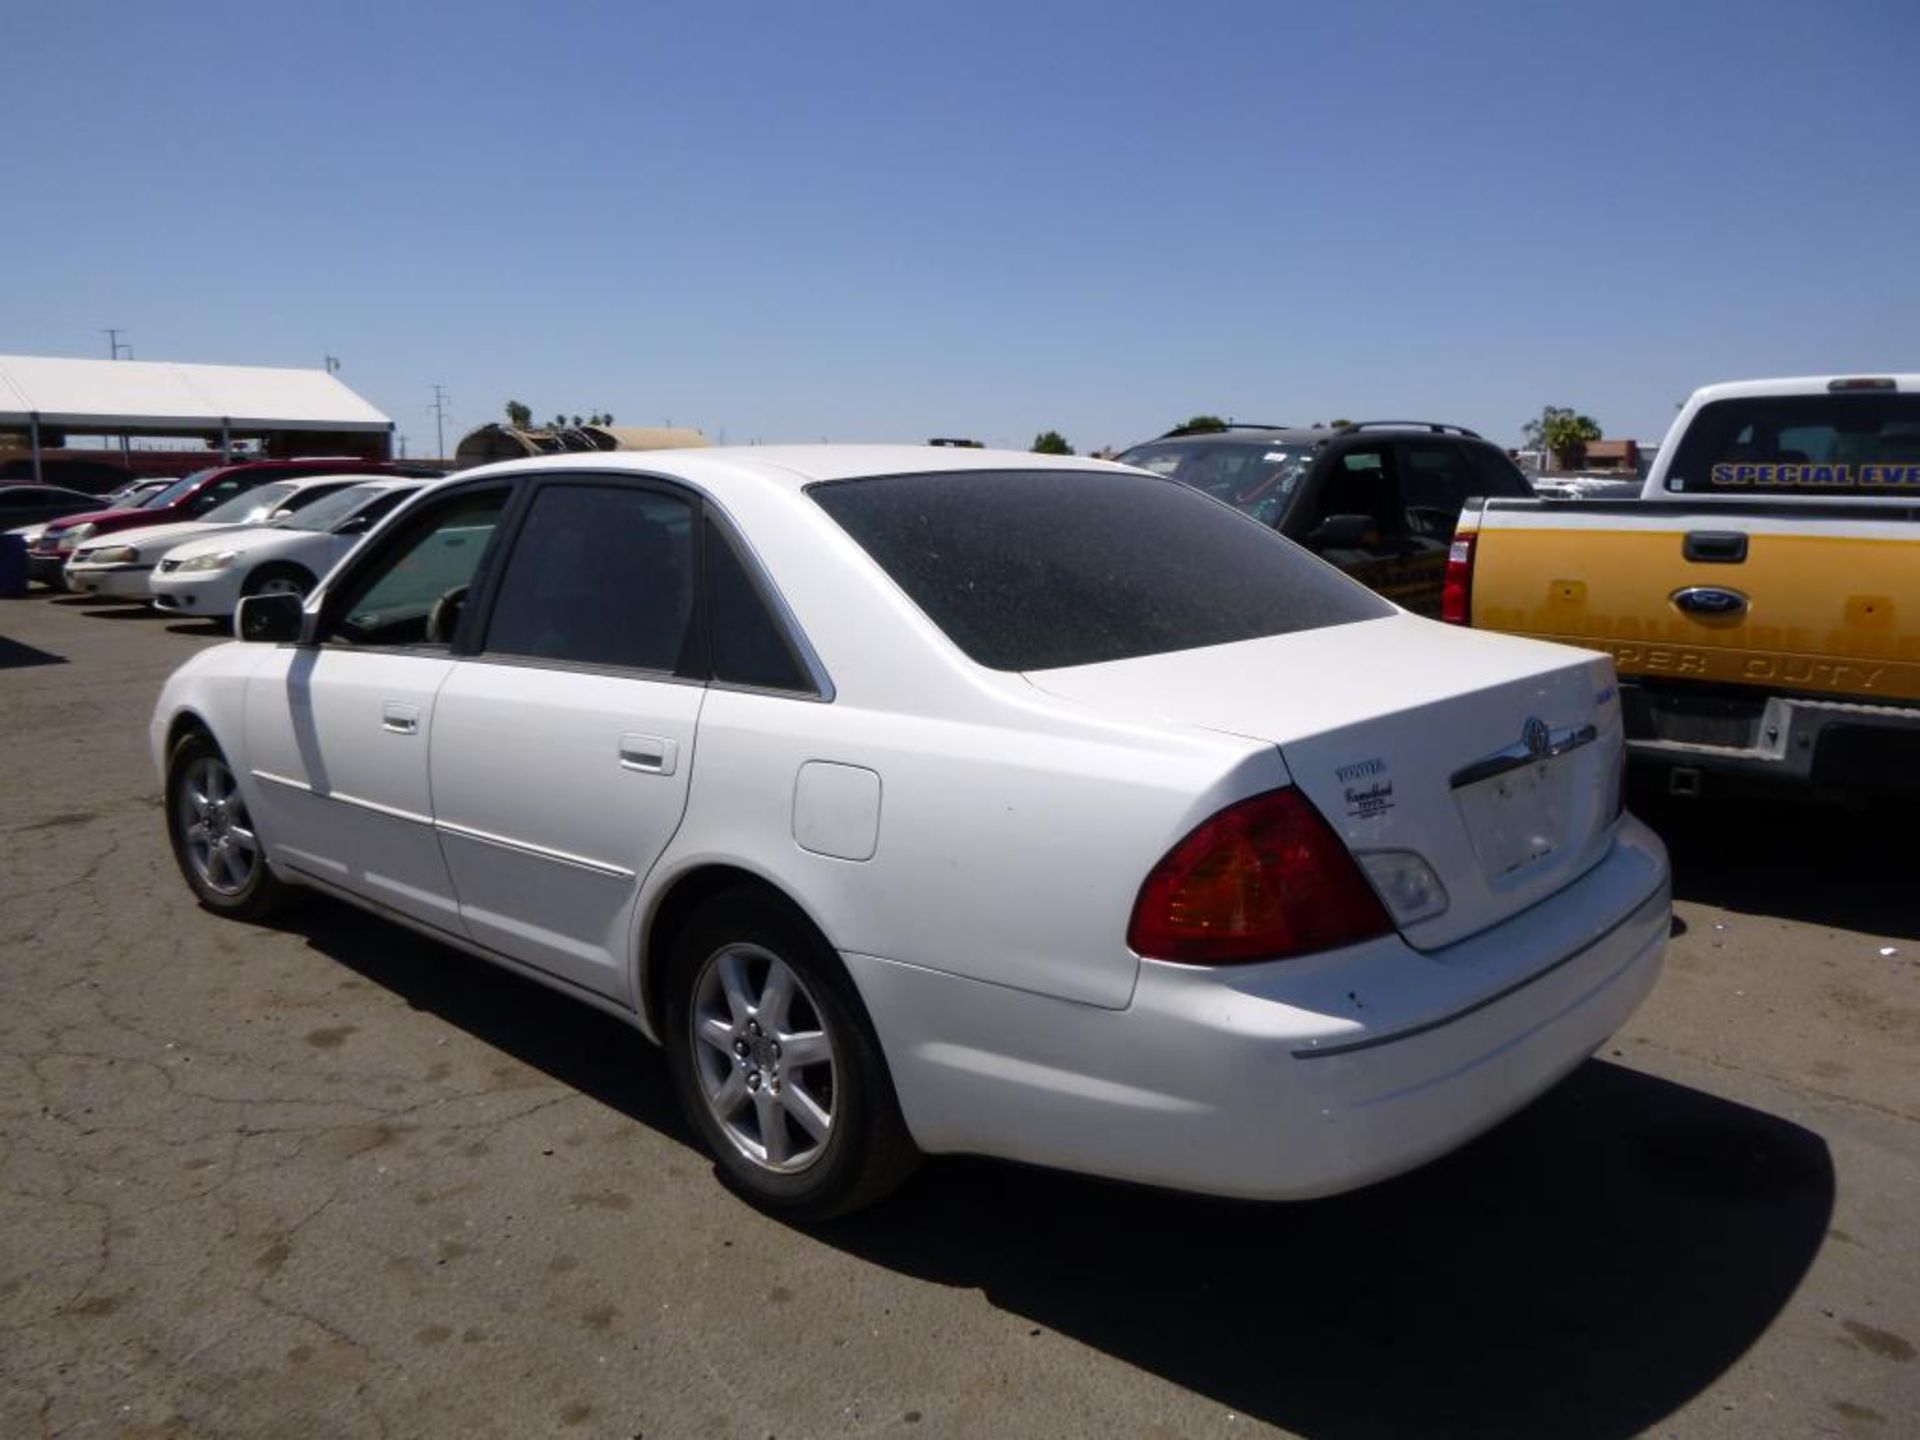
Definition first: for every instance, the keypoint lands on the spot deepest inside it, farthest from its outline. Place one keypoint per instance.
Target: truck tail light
(1456, 590)
(1264, 879)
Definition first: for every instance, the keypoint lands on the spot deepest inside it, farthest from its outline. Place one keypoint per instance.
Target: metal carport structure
(45, 397)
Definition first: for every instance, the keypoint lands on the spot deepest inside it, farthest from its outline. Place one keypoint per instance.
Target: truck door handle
(1715, 547)
(400, 719)
(649, 754)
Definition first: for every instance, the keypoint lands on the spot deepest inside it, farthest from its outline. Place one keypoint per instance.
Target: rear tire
(775, 1063)
(219, 852)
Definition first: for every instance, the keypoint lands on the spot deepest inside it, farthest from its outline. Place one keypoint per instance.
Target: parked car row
(120, 549)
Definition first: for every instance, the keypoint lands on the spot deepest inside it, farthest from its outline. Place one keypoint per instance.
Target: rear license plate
(1515, 819)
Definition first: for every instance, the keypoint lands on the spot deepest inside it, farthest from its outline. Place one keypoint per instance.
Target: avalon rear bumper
(1289, 1079)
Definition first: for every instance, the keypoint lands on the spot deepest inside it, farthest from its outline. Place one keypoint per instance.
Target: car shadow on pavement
(203, 629)
(14, 655)
(127, 610)
(1583, 1271)
(1792, 860)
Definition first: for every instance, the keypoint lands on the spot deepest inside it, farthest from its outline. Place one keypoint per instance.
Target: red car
(183, 500)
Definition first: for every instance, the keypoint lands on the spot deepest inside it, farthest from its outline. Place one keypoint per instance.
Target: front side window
(413, 591)
(330, 510)
(599, 575)
(1036, 570)
(1863, 443)
(1435, 481)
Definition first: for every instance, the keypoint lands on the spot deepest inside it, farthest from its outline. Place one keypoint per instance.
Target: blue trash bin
(13, 567)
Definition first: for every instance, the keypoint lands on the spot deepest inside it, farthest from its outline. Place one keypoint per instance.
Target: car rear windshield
(1038, 570)
(1860, 443)
(1256, 476)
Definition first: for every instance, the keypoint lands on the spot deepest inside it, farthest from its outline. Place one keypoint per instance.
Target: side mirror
(269, 619)
(354, 525)
(1345, 532)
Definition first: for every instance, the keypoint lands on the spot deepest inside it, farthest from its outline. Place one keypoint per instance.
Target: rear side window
(1037, 570)
(1434, 482)
(1497, 475)
(598, 575)
(748, 646)
(1848, 444)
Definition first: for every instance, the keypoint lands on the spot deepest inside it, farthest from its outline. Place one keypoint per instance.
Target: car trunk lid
(1497, 761)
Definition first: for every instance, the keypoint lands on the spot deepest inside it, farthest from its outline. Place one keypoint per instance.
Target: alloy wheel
(763, 1057)
(215, 828)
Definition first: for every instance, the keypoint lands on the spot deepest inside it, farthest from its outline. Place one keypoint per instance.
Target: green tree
(1051, 442)
(1562, 432)
(1341, 424)
(1201, 425)
(519, 416)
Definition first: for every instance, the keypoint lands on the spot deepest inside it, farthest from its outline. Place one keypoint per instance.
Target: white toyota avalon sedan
(931, 800)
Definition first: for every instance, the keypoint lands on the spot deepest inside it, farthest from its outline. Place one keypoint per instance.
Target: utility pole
(114, 346)
(439, 408)
(333, 364)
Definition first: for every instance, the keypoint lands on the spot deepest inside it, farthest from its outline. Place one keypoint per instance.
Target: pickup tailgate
(1798, 600)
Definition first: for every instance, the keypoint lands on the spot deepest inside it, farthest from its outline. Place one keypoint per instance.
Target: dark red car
(186, 498)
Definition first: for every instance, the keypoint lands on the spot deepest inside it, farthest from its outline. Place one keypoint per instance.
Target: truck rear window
(1037, 570)
(1850, 444)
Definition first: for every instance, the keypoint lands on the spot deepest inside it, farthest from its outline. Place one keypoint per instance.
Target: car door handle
(649, 754)
(400, 719)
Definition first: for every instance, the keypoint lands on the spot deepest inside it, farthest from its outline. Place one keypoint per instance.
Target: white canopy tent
(40, 394)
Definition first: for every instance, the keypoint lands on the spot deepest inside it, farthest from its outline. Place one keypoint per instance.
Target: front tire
(775, 1063)
(282, 579)
(214, 842)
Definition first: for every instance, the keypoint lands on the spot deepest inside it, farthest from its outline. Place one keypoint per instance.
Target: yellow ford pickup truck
(1761, 598)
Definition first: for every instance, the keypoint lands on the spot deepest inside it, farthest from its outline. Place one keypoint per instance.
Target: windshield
(1253, 476)
(174, 491)
(1039, 569)
(250, 506)
(325, 514)
(1865, 444)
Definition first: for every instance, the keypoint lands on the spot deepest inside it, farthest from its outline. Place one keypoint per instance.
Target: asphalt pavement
(327, 1178)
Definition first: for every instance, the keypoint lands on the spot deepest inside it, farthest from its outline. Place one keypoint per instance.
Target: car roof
(1804, 385)
(307, 482)
(794, 467)
(1311, 435)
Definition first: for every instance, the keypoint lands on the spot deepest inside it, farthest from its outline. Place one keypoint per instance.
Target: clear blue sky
(895, 220)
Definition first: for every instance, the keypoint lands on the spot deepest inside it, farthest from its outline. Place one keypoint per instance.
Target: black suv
(1378, 498)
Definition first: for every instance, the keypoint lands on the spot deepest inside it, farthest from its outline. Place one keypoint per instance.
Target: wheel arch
(676, 903)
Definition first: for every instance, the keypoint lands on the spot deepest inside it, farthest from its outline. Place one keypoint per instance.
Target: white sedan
(925, 801)
(209, 576)
(119, 565)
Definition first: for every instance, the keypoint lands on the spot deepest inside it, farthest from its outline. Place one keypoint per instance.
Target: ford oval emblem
(1709, 600)
(1535, 736)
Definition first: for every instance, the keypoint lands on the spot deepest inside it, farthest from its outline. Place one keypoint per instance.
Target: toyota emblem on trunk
(1535, 736)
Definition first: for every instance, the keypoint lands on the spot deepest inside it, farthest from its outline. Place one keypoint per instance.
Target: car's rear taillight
(1456, 591)
(1264, 879)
